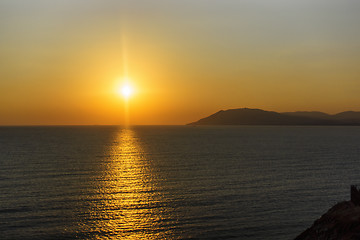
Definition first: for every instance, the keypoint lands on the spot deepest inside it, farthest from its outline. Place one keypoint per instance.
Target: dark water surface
(172, 182)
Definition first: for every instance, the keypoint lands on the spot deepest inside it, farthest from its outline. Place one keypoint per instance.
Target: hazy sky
(60, 61)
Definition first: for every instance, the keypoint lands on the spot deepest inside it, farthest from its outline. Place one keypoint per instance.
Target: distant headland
(247, 116)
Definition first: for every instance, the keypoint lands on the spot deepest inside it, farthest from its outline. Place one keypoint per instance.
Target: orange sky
(61, 62)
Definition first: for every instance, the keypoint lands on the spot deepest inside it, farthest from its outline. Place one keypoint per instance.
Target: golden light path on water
(130, 206)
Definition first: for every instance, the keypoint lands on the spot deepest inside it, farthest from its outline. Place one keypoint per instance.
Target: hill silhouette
(349, 116)
(319, 115)
(247, 116)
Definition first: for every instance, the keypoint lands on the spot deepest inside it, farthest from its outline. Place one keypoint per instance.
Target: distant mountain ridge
(248, 116)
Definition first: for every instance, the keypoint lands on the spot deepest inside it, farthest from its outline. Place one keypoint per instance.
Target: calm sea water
(172, 182)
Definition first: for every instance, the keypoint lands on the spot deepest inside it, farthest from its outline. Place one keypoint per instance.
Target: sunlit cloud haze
(61, 62)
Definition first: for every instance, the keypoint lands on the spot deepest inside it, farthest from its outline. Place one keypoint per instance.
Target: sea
(172, 182)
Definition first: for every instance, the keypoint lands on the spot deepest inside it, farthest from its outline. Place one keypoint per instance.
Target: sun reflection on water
(129, 204)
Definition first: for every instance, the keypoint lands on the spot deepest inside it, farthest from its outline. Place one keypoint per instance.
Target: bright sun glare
(126, 91)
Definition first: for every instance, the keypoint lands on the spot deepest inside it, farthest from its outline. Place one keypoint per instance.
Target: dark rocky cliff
(342, 221)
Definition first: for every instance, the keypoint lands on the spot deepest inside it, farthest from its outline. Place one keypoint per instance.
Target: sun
(126, 91)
